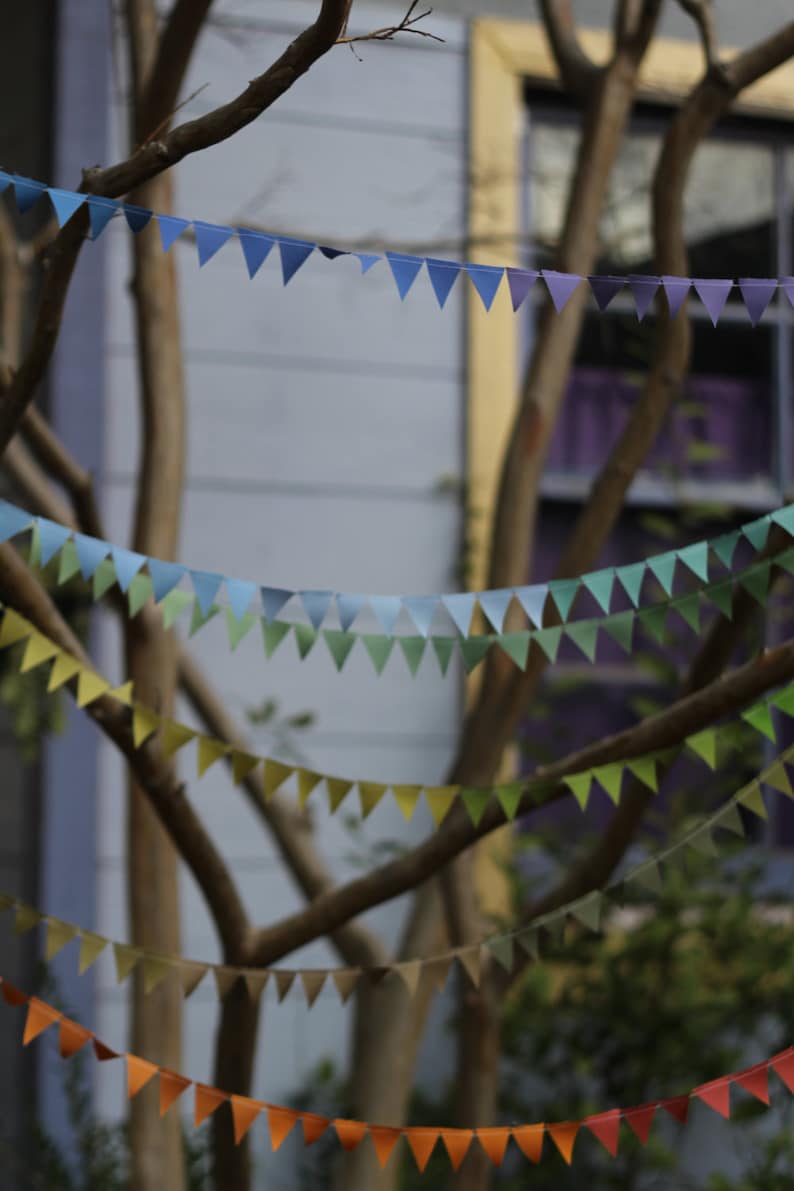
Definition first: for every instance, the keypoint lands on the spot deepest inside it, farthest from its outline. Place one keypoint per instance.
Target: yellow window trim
(503, 56)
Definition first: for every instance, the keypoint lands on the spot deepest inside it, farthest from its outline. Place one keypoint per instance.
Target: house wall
(322, 418)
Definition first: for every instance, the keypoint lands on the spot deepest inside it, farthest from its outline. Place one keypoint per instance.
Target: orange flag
(313, 1127)
(103, 1053)
(71, 1038)
(564, 1135)
(457, 1142)
(529, 1139)
(350, 1133)
(244, 1112)
(171, 1088)
(384, 1140)
(422, 1143)
(40, 1018)
(280, 1121)
(208, 1100)
(494, 1142)
(139, 1072)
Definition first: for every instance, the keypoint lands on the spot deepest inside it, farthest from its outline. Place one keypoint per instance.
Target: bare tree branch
(407, 25)
(702, 13)
(159, 93)
(577, 71)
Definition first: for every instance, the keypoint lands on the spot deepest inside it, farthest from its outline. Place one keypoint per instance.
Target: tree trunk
(157, 1158)
(235, 1051)
(479, 1052)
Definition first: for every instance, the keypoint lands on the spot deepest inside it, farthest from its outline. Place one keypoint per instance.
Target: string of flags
(507, 948)
(422, 1141)
(257, 246)
(105, 564)
(146, 724)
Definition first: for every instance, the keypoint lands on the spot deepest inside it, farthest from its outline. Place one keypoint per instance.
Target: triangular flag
(663, 567)
(379, 650)
(495, 604)
(755, 1081)
(443, 648)
(275, 775)
(58, 935)
(238, 628)
(406, 798)
(38, 649)
(649, 876)
(13, 628)
(413, 651)
(579, 785)
(713, 293)
(65, 203)
(757, 292)
(778, 779)
(422, 1143)
(91, 947)
(520, 282)
(563, 1135)
(104, 575)
(644, 291)
(25, 918)
(755, 580)
(787, 285)
(127, 564)
(729, 819)
(240, 594)
(759, 717)
(89, 687)
(564, 592)
(404, 270)
(171, 229)
(210, 238)
(785, 519)
(91, 553)
(284, 982)
(705, 745)
(587, 910)
(209, 751)
(27, 193)
(494, 1142)
(346, 980)
(606, 1127)
(138, 594)
(126, 958)
(137, 217)
(172, 1086)
(678, 1107)
(348, 607)
(164, 576)
(207, 1101)
(440, 800)
(621, 629)
(384, 1138)
(294, 253)
(350, 1133)
(476, 802)
(696, 558)
(783, 1066)
(312, 982)
(244, 1113)
(533, 599)
(191, 976)
(509, 797)
(529, 1139)
(256, 248)
(255, 980)
(443, 275)
(605, 289)
(688, 608)
(145, 723)
(175, 736)
(386, 609)
(725, 547)
(139, 1072)
(584, 633)
(753, 801)
(631, 578)
(653, 621)
(502, 948)
(676, 290)
(421, 609)
(338, 789)
(307, 781)
(206, 585)
(314, 1127)
(273, 635)
(460, 608)
(561, 287)
(721, 596)
(370, 794)
(155, 969)
(644, 769)
(39, 1018)
(757, 532)
(367, 260)
(52, 538)
(103, 1053)
(316, 605)
(473, 650)
(640, 1120)
(717, 1094)
(486, 279)
(599, 584)
(71, 1038)
(12, 521)
(610, 778)
(410, 973)
(469, 960)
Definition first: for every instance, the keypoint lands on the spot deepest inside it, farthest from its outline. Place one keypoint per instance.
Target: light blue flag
(52, 538)
(12, 520)
(486, 280)
(273, 600)
(532, 600)
(100, 213)
(206, 585)
(90, 552)
(348, 606)
(171, 229)
(404, 270)
(165, 576)
(316, 605)
(240, 595)
(460, 607)
(127, 564)
(210, 238)
(495, 604)
(443, 275)
(387, 609)
(65, 203)
(421, 609)
(27, 193)
(256, 248)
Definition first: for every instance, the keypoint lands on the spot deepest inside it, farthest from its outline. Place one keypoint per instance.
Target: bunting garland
(486, 280)
(703, 745)
(422, 1141)
(506, 948)
(105, 564)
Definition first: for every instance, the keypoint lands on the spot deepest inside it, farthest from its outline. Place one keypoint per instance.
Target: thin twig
(389, 32)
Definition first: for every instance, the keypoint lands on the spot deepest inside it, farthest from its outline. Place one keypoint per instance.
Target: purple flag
(644, 291)
(713, 293)
(561, 286)
(676, 289)
(757, 293)
(520, 282)
(605, 288)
